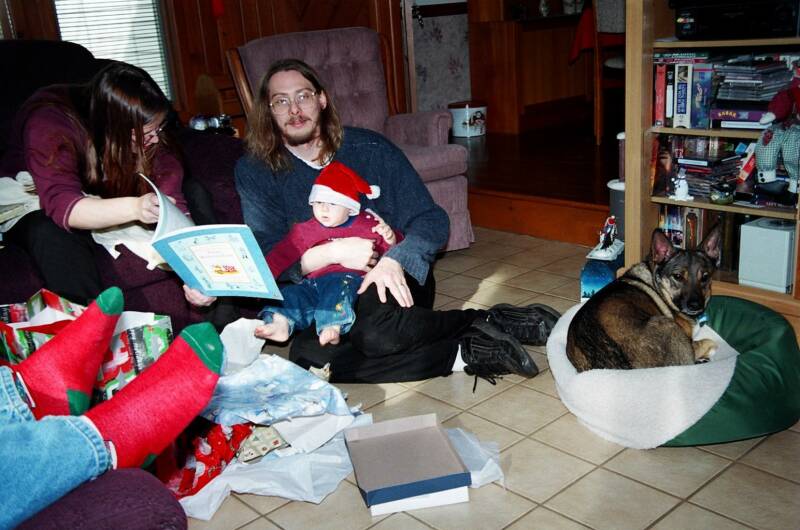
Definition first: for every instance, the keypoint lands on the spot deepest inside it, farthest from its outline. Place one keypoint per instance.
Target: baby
(327, 295)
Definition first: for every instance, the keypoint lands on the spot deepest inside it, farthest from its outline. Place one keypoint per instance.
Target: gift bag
(139, 339)
(25, 326)
(19, 340)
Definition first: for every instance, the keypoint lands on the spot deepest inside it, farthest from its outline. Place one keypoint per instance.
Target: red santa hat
(338, 184)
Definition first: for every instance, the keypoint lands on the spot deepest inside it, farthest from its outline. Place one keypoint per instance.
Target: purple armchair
(349, 60)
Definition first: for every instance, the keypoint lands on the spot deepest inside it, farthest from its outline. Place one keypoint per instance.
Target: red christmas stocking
(152, 410)
(60, 375)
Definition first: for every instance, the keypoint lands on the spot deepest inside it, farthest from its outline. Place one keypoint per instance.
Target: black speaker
(735, 19)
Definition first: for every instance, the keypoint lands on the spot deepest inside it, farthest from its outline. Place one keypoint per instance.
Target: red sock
(60, 375)
(152, 410)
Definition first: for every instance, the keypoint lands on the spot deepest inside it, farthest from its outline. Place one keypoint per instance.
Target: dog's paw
(704, 350)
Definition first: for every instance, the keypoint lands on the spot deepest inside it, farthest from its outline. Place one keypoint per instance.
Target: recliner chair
(350, 63)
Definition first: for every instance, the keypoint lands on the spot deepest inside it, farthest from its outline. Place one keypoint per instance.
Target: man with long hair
(294, 131)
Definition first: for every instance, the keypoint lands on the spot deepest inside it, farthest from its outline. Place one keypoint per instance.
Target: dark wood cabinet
(521, 69)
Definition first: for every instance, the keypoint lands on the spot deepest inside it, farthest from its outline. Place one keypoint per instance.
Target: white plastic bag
(302, 477)
(481, 458)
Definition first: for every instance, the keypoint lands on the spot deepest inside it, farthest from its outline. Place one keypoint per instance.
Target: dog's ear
(661, 248)
(711, 242)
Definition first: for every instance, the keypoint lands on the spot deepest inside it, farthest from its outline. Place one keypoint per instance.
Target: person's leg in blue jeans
(42, 460)
(335, 311)
(296, 310)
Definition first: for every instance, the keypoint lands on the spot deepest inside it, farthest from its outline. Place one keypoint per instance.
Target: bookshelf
(670, 44)
(649, 28)
(727, 133)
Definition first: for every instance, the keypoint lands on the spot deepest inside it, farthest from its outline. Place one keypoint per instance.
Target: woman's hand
(388, 273)
(146, 208)
(196, 298)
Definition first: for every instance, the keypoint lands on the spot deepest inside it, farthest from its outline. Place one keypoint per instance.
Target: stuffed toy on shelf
(781, 140)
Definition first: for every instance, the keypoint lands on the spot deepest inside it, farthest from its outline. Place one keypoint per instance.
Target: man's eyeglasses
(303, 99)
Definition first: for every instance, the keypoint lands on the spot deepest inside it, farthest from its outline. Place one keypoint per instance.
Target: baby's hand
(386, 232)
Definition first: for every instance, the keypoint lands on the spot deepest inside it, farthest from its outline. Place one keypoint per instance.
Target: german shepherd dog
(645, 318)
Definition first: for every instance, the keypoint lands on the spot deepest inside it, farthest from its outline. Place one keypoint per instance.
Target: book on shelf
(669, 95)
(700, 95)
(671, 223)
(729, 247)
(734, 114)
(659, 101)
(709, 161)
(217, 260)
(748, 163)
(683, 89)
(660, 165)
(735, 124)
(692, 226)
(686, 226)
(680, 57)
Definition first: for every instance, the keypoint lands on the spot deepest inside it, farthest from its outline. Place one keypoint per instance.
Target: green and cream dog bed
(751, 387)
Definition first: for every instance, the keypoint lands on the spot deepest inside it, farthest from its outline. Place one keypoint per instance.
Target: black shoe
(489, 353)
(223, 312)
(530, 325)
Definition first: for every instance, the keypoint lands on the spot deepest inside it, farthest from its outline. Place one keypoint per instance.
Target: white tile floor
(558, 474)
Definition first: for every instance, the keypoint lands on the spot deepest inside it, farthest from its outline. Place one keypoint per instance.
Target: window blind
(124, 30)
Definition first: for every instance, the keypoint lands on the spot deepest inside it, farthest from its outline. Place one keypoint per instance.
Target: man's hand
(196, 298)
(356, 253)
(388, 273)
(350, 252)
(386, 232)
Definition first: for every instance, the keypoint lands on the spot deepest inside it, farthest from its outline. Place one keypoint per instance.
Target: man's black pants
(389, 343)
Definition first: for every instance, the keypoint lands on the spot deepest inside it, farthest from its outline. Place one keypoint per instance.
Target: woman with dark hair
(84, 146)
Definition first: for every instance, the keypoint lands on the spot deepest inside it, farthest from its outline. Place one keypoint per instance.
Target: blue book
(702, 76)
(217, 260)
(683, 89)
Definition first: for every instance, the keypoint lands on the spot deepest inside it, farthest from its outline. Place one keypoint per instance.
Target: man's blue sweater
(274, 201)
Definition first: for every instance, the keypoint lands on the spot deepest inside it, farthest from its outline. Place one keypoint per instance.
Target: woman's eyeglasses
(303, 99)
(149, 135)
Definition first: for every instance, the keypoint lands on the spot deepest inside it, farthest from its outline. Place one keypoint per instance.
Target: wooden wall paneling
(309, 15)
(187, 48)
(549, 76)
(494, 64)
(567, 221)
(34, 19)
(5, 20)
(256, 19)
(485, 10)
(174, 58)
(408, 47)
(386, 17)
(230, 32)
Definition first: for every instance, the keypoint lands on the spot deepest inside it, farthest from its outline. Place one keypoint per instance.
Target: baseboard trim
(556, 219)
